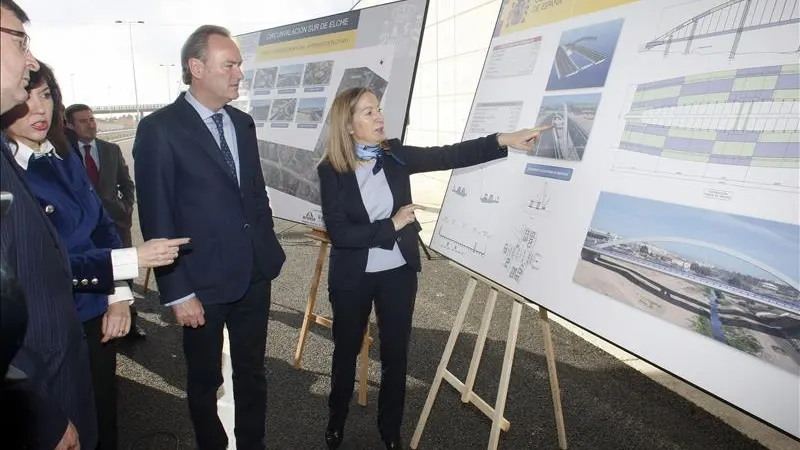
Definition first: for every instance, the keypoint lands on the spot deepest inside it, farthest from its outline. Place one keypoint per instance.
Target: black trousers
(246, 320)
(103, 365)
(394, 292)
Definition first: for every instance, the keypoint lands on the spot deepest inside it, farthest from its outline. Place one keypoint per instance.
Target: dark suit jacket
(115, 186)
(53, 353)
(186, 190)
(347, 221)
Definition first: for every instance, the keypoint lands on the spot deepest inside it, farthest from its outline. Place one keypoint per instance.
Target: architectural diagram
(730, 21)
(520, 253)
(462, 238)
(734, 126)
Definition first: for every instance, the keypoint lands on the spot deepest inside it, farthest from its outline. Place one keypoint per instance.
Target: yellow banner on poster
(518, 15)
(334, 42)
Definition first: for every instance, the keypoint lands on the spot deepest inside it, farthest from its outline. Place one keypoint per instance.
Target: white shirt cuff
(122, 292)
(125, 262)
(180, 300)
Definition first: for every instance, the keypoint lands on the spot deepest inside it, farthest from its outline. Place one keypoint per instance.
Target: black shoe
(393, 444)
(333, 437)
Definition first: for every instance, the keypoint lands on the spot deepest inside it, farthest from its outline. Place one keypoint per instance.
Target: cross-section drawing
(737, 125)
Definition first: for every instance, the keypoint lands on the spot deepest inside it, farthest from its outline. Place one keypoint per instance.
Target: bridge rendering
(606, 249)
(732, 17)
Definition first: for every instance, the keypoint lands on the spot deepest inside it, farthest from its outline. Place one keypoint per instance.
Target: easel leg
(363, 371)
(551, 369)
(424, 247)
(309, 315)
(488, 310)
(505, 375)
(147, 279)
(440, 370)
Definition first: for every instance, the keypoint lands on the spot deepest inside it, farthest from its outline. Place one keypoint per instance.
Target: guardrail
(117, 135)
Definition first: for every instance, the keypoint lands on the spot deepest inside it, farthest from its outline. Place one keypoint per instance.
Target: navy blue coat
(69, 200)
(346, 219)
(54, 353)
(185, 190)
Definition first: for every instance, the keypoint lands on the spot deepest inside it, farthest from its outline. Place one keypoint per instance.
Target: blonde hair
(340, 152)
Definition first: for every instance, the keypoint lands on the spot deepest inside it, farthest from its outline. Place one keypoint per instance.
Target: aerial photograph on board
(732, 278)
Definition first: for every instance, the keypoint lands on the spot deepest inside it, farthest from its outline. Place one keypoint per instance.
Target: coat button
(49, 209)
(399, 238)
(84, 281)
(246, 226)
(94, 281)
(74, 282)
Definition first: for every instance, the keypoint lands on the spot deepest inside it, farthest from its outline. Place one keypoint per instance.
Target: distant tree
(735, 282)
(644, 250)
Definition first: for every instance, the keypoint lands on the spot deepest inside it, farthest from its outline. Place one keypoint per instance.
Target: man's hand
(190, 313)
(116, 321)
(70, 440)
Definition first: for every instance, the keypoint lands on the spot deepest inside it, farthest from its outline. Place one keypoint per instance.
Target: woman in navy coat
(366, 204)
(58, 179)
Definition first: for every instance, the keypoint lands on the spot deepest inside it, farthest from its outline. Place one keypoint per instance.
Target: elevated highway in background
(127, 109)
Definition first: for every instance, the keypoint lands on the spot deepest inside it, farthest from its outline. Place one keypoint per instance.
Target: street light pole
(133, 64)
(169, 90)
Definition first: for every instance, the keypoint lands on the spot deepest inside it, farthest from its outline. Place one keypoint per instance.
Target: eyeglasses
(25, 43)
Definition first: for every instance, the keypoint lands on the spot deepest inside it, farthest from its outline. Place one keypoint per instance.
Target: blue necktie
(223, 146)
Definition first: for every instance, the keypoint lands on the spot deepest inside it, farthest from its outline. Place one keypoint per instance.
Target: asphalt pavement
(607, 404)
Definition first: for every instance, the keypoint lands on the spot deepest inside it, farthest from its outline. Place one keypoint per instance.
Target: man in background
(109, 173)
(55, 402)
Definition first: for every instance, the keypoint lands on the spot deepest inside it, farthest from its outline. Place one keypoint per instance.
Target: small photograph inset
(584, 56)
(283, 110)
(566, 121)
(289, 76)
(311, 110)
(247, 81)
(259, 109)
(265, 78)
(318, 73)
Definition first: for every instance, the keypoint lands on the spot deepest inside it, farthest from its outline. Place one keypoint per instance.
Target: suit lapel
(107, 162)
(32, 198)
(202, 135)
(242, 139)
(390, 171)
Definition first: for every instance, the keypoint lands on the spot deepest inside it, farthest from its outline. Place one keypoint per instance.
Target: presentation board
(660, 207)
(292, 75)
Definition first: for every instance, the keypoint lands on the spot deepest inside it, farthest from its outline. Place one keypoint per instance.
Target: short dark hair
(196, 46)
(69, 114)
(14, 9)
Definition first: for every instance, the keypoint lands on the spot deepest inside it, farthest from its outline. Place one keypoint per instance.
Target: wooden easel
(465, 388)
(310, 316)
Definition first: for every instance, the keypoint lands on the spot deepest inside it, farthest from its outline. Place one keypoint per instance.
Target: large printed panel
(659, 208)
(293, 75)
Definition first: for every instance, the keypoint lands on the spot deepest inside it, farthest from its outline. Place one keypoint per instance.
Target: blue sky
(773, 243)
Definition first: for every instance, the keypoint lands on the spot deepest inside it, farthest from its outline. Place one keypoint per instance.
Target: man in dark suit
(56, 399)
(198, 175)
(106, 168)
(108, 171)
